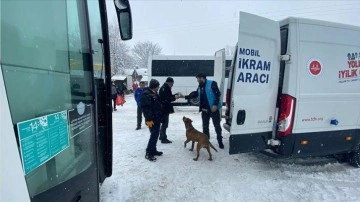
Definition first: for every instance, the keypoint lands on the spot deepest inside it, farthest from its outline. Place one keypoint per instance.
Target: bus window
(46, 63)
(96, 35)
(182, 68)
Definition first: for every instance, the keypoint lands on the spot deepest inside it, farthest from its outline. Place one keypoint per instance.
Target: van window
(284, 40)
(227, 68)
(182, 67)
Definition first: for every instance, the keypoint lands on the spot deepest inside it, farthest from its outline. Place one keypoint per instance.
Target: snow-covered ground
(242, 177)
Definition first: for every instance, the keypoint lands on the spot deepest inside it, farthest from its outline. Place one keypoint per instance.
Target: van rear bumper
(319, 143)
(254, 142)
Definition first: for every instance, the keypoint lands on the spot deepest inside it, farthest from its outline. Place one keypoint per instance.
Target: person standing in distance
(166, 98)
(137, 96)
(210, 105)
(153, 112)
(114, 94)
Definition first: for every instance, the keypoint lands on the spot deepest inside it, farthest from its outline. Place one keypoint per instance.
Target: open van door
(255, 80)
(219, 71)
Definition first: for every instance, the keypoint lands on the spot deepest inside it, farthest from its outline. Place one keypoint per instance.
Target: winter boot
(165, 141)
(221, 145)
(138, 128)
(149, 156)
(157, 153)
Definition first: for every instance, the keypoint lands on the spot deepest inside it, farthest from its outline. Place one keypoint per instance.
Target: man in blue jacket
(210, 104)
(137, 95)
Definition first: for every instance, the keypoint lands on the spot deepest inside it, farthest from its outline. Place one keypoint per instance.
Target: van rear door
(219, 71)
(255, 79)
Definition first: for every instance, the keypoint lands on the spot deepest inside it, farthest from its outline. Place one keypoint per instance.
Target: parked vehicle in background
(184, 69)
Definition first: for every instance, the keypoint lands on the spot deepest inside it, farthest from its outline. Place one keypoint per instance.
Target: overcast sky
(190, 27)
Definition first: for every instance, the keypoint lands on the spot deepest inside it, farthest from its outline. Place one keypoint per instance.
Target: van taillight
(286, 115)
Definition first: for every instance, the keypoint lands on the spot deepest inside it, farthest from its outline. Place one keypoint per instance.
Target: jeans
(164, 126)
(215, 116)
(154, 130)
(139, 116)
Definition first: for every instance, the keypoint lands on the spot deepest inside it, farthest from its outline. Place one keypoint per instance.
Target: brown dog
(195, 136)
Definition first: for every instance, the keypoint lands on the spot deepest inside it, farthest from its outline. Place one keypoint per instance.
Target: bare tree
(142, 51)
(120, 51)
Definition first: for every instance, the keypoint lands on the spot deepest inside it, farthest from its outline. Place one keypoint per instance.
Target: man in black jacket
(153, 112)
(210, 104)
(166, 98)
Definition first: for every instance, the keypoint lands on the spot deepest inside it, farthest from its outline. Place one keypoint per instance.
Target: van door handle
(241, 115)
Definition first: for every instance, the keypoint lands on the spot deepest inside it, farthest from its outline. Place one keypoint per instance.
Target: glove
(149, 123)
(213, 108)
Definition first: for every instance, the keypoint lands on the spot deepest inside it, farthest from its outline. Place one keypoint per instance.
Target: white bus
(55, 98)
(183, 70)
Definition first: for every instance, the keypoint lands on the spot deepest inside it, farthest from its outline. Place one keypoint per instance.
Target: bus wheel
(354, 157)
(194, 101)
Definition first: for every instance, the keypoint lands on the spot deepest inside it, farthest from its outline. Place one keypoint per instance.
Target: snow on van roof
(129, 71)
(145, 78)
(142, 71)
(118, 77)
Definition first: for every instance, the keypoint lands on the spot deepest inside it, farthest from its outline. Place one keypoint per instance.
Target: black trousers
(164, 126)
(216, 118)
(139, 116)
(154, 130)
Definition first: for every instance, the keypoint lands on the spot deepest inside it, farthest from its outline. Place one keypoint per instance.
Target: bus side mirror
(123, 13)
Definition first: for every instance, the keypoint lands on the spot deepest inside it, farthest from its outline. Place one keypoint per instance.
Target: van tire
(194, 101)
(354, 157)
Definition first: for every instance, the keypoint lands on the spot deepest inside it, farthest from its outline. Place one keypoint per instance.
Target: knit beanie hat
(170, 80)
(154, 83)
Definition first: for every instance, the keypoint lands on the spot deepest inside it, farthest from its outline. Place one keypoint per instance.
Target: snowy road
(242, 177)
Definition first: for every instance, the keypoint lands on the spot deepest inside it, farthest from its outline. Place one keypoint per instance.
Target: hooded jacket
(152, 106)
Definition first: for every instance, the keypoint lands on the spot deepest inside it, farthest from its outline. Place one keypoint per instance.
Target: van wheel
(354, 157)
(194, 101)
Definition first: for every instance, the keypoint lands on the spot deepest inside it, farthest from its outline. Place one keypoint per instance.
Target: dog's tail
(212, 146)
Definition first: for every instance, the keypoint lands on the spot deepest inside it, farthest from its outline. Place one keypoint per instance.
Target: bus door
(102, 72)
(101, 58)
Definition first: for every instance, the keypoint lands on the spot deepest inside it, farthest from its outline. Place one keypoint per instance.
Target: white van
(183, 70)
(294, 88)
